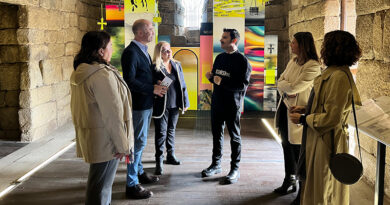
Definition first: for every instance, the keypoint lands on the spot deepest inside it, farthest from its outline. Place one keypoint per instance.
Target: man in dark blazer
(137, 72)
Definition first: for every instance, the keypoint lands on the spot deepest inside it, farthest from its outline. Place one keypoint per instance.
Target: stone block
(92, 25)
(377, 34)
(81, 8)
(2, 98)
(373, 79)
(55, 20)
(72, 34)
(274, 11)
(43, 114)
(71, 49)
(9, 118)
(12, 98)
(364, 7)
(331, 23)
(64, 116)
(61, 90)
(37, 18)
(56, 50)
(51, 71)
(8, 37)
(369, 167)
(69, 5)
(295, 16)
(166, 30)
(67, 68)
(44, 130)
(366, 143)
(83, 23)
(73, 20)
(25, 121)
(8, 16)
(315, 11)
(49, 4)
(38, 52)
(9, 77)
(31, 75)
(279, 23)
(35, 97)
(30, 36)
(386, 37)
(51, 36)
(178, 41)
(364, 35)
(13, 54)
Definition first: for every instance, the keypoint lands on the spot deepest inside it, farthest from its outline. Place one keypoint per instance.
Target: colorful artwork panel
(189, 59)
(254, 51)
(229, 8)
(118, 45)
(270, 60)
(206, 64)
(140, 6)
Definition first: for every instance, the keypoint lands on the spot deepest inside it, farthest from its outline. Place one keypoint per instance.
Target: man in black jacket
(230, 76)
(137, 72)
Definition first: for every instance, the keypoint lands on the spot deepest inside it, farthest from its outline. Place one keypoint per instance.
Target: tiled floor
(63, 181)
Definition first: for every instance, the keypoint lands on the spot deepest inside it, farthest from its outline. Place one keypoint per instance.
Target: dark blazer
(161, 102)
(137, 72)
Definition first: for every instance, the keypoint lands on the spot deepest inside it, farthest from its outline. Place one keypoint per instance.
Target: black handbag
(346, 168)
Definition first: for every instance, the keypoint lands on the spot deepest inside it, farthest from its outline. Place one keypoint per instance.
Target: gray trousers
(100, 179)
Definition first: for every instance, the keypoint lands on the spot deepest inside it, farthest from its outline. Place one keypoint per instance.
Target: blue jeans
(141, 122)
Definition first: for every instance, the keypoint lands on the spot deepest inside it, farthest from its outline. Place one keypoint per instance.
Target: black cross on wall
(271, 48)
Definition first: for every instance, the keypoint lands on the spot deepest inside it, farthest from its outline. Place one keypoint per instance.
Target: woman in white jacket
(101, 113)
(294, 87)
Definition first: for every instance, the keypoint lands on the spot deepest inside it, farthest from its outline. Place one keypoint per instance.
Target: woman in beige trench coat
(101, 114)
(294, 86)
(328, 108)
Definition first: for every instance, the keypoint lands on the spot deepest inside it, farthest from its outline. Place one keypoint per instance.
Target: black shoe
(137, 192)
(287, 183)
(172, 160)
(159, 167)
(211, 170)
(232, 177)
(145, 178)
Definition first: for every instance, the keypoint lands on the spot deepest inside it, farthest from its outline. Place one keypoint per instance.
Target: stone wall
(44, 43)
(315, 16)
(172, 15)
(373, 74)
(276, 23)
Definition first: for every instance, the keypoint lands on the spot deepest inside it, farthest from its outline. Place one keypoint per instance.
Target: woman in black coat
(169, 72)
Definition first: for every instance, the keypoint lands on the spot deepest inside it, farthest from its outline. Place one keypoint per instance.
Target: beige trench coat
(332, 103)
(101, 112)
(297, 80)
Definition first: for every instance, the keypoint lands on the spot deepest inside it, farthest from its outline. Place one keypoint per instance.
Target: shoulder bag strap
(354, 117)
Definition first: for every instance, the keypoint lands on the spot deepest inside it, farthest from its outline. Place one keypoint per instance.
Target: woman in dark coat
(166, 109)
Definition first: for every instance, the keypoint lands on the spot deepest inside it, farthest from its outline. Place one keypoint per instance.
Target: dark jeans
(232, 120)
(165, 132)
(290, 151)
(100, 179)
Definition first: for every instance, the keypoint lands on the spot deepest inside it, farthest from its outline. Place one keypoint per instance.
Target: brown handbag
(346, 168)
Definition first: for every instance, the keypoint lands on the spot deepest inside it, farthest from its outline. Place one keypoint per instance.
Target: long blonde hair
(157, 60)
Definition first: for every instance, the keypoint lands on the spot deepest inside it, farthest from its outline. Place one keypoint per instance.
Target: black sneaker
(232, 177)
(146, 178)
(211, 170)
(137, 192)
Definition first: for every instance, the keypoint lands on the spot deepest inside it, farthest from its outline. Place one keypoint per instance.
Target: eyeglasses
(166, 51)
